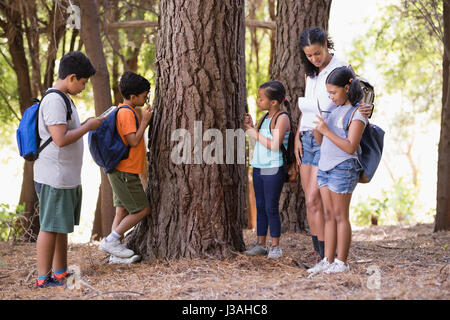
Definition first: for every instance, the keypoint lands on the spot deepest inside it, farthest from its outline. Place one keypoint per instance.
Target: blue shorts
(311, 150)
(341, 179)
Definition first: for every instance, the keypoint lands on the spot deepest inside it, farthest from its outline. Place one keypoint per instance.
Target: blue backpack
(28, 139)
(370, 148)
(105, 144)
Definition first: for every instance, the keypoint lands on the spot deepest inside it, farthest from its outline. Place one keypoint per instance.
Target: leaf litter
(386, 262)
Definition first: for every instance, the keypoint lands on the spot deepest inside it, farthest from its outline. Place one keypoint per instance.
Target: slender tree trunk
(16, 47)
(90, 33)
(197, 210)
(32, 34)
(273, 17)
(55, 31)
(443, 180)
(292, 18)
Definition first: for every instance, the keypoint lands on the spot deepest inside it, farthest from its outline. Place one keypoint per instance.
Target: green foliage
(257, 51)
(364, 211)
(404, 44)
(10, 222)
(9, 102)
(397, 204)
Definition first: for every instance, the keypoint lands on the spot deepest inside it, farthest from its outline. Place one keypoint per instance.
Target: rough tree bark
(197, 210)
(292, 18)
(442, 221)
(90, 34)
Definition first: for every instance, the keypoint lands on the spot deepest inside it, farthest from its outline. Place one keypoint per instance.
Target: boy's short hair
(132, 83)
(77, 63)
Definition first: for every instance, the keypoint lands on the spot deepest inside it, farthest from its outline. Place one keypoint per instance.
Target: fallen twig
(387, 247)
(30, 275)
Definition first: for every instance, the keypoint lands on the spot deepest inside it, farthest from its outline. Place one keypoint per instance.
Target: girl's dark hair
(275, 91)
(343, 76)
(310, 37)
(132, 83)
(75, 62)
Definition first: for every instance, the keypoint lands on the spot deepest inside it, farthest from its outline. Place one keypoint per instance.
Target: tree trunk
(90, 34)
(198, 209)
(16, 47)
(292, 18)
(443, 179)
(273, 17)
(56, 29)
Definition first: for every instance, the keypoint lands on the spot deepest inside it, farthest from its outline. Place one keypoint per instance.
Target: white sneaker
(117, 260)
(337, 266)
(115, 248)
(275, 252)
(320, 266)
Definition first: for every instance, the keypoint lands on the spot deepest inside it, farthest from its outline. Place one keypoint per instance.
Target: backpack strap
(68, 114)
(66, 100)
(262, 120)
(282, 147)
(349, 117)
(135, 115)
(279, 114)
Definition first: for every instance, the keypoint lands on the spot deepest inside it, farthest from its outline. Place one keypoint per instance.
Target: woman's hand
(365, 110)
(298, 150)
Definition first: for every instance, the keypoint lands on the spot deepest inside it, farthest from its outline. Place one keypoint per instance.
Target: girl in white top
(318, 63)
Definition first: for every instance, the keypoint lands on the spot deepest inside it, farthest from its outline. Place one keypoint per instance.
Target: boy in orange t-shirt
(129, 197)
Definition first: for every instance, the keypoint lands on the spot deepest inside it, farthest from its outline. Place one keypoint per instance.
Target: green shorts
(128, 191)
(59, 209)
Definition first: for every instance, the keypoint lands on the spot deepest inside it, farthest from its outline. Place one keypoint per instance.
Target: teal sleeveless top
(263, 157)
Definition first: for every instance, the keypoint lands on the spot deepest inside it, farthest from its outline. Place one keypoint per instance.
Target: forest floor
(386, 262)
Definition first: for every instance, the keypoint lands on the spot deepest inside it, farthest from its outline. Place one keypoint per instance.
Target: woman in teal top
(268, 171)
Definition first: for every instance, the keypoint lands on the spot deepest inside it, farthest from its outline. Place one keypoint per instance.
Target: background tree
(292, 18)
(443, 187)
(128, 45)
(90, 33)
(404, 46)
(198, 210)
(26, 25)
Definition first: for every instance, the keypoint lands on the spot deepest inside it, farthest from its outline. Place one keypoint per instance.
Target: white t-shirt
(58, 167)
(316, 90)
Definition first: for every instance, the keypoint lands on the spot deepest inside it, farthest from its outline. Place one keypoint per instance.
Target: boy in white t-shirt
(57, 171)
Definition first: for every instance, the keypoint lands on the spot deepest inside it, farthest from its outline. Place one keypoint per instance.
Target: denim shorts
(311, 150)
(341, 179)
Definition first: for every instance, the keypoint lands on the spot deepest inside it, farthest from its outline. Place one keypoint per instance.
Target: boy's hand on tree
(147, 114)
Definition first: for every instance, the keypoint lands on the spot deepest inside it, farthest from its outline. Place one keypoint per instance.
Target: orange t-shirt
(126, 124)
